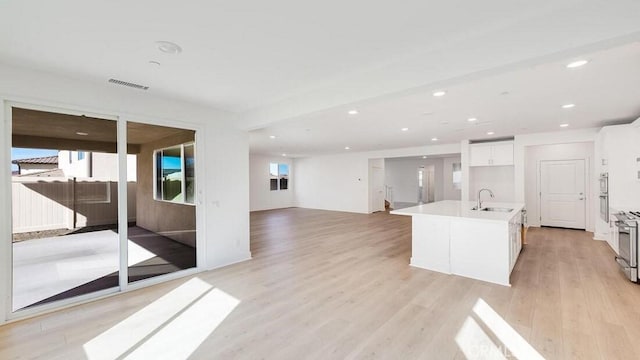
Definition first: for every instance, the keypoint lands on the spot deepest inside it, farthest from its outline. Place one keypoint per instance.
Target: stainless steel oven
(604, 183)
(604, 207)
(627, 258)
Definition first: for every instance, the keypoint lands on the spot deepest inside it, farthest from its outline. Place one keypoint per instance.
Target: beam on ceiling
(39, 142)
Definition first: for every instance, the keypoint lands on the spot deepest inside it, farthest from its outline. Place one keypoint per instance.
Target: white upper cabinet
(492, 154)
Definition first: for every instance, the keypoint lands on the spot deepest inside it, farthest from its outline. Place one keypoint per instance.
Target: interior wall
(261, 196)
(449, 191)
(402, 175)
(567, 136)
(617, 148)
(621, 149)
(175, 221)
(498, 179)
(341, 182)
(333, 182)
(223, 155)
(521, 142)
(571, 151)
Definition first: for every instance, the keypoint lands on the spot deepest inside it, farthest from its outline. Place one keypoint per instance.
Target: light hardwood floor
(329, 285)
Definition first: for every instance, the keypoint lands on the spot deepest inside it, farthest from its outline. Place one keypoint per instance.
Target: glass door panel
(161, 192)
(64, 187)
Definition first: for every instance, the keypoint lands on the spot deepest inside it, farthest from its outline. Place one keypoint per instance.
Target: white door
(562, 194)
(377, 189)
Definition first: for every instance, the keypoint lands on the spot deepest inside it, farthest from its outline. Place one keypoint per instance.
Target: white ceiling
(283, 59)
(604, 91)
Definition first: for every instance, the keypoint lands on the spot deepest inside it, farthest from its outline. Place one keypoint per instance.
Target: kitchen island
(449, 237)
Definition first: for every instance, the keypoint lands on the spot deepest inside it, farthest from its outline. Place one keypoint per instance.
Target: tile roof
(39, 160)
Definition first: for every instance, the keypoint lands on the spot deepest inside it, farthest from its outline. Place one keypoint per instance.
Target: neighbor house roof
(46, 173)
(53, 160)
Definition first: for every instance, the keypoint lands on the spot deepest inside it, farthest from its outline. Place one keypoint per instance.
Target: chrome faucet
(479, 205)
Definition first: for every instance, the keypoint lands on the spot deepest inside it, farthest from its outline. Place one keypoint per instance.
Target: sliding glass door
(69, 199)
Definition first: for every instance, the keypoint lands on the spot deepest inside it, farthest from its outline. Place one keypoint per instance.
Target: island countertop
(462, 209)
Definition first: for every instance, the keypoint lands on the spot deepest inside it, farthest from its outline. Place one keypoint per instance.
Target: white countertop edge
(456, 209)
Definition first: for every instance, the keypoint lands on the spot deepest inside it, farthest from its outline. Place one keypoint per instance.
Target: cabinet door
(480, 155)
(502, 154)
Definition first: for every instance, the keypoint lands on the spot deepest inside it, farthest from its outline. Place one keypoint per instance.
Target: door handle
(581, 198)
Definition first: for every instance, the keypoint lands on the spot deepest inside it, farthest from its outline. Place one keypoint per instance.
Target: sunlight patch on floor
(475, 343)
(182, 336)
(171, 327)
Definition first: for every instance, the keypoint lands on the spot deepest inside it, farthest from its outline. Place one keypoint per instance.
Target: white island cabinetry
(449, 237)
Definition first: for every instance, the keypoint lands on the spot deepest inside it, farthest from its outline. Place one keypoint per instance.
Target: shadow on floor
(170, 256)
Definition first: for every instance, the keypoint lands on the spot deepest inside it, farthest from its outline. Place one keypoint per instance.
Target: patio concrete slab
(50, 268)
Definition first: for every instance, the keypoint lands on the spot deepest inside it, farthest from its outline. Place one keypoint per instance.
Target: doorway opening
(415, 180)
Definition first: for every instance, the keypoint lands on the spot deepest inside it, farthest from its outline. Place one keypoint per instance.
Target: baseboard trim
(247, 257)
(600, 236)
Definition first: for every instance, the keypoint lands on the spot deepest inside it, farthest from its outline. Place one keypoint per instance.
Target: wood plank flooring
(330, 285)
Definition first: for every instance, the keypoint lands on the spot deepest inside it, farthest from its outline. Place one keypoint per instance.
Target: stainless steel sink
(495, 209)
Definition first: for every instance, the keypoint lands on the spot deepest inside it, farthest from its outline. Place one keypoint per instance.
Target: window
(278, 176)
(189, 172)
(457, 176)
(81, 155)
(175, 174)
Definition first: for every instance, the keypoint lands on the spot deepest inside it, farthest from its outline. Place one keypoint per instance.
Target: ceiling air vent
(131, 85)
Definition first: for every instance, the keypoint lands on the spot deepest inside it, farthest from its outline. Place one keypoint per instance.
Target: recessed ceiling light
(168, 47)
(568, 106)
(490, 133)
(353, 112)
(577, 63)
(471, 119)
(564, 125)
(434, 139)
(81, 133)
(154, 63)
(439, 93)
(272, 136)
(347, 148)
(404, 129)
(424, 157)
(284, 154)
